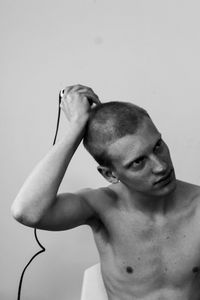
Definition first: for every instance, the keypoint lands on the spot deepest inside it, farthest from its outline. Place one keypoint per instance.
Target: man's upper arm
(68, 211)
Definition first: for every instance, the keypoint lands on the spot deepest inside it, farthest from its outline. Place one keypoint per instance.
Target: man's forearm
(39, 190)
(38, 193)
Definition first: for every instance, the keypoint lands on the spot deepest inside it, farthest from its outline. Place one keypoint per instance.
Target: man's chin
(167, 189)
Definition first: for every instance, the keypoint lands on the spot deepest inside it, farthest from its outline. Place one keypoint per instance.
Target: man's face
(142, 161)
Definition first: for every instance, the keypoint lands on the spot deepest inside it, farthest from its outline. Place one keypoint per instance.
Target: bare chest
(163, 251)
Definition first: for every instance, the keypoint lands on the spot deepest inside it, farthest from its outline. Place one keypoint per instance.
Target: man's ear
(108, 174)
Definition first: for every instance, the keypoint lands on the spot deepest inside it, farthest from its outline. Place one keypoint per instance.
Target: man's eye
(138, 162)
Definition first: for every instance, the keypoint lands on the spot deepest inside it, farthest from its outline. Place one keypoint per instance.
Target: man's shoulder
(190, 187)
(189, 192)
(101, 197)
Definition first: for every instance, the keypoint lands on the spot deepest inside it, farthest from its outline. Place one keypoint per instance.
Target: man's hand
(77, 101)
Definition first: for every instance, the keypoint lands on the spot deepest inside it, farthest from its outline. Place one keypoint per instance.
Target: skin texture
(152, 256)
(148, 237)
(147, 231)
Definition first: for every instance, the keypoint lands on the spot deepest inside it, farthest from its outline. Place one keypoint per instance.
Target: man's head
(128, 147)
(107, 123)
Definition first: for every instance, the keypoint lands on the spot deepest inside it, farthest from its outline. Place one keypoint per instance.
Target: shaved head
(108, 122)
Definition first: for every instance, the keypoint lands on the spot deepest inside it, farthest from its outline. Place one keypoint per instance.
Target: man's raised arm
(37, 203)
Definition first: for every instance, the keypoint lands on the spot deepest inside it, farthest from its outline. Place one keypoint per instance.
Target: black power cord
(35, 233)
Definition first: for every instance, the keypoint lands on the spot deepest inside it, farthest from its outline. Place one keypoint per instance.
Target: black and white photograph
(100, 150)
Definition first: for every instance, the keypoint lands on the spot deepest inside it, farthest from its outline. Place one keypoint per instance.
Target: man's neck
(147, 204)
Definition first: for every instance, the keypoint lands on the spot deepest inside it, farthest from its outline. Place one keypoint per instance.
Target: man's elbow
(23, 217)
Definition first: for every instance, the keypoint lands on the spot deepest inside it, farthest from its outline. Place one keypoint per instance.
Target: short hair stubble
(108, 122)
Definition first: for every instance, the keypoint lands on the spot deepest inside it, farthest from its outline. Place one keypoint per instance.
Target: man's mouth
(165, 179)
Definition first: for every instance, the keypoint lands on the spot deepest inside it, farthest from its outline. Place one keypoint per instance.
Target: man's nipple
(196, 270)
(129, 270)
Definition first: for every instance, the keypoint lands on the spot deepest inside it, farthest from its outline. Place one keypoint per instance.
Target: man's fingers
(69, 88)
(81, 89)
(92, 97)
(75, 88)
(96, 99)
(90, 93)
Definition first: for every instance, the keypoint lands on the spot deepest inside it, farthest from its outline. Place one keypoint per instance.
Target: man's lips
(164, 178)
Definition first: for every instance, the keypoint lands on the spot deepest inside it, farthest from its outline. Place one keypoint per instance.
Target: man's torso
(148, 258)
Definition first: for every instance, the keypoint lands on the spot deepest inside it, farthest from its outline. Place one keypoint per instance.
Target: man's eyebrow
(129, 163)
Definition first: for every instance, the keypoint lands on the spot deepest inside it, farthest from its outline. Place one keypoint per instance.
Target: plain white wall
(142, 51)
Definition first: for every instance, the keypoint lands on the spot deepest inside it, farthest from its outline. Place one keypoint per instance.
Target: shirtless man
(146, 223)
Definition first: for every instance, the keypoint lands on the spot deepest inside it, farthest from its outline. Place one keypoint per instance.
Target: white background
(146, 52)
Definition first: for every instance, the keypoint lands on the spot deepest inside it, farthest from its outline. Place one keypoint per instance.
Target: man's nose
(159, 166)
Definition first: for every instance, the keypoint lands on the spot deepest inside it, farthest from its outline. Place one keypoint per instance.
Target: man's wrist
(77, 126)
(79, 120)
